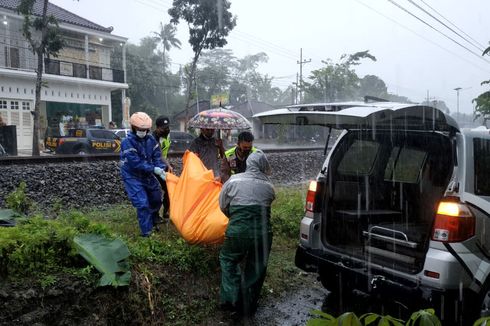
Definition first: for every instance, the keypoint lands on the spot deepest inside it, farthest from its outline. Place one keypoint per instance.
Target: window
(405, 165)
(26, 106)
(359, 159)
(12, 58)
(14, 105)
(3, 104)
(482, 162)
(103, 134)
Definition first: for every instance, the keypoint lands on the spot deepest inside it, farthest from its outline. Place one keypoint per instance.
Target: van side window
(359, 158)
(482, 162)
(405, 165)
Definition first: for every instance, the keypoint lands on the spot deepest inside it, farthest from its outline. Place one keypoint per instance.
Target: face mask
(141, 133)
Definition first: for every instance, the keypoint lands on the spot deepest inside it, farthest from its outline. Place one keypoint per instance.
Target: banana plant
(322, 319)
(424, 317)
(485, 321)
(372, 319)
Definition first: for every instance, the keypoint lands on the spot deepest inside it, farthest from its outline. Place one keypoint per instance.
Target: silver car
(400, 208)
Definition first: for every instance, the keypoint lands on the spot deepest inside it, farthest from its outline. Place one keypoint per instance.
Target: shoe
(227, 306)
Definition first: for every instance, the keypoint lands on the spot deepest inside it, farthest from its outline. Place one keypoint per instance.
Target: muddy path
(289, 309)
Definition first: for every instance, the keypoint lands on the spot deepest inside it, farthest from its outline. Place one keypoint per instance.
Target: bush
(18, 200)
(38, 245)
(287, 211)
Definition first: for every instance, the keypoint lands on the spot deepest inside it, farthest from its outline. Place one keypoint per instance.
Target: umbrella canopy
(219, 119)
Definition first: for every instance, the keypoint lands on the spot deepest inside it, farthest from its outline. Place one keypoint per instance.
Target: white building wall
(17, 96)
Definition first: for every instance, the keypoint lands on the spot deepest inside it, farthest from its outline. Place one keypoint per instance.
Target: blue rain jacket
(139, 157)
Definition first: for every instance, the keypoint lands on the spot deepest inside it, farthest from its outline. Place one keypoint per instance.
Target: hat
(162, 121)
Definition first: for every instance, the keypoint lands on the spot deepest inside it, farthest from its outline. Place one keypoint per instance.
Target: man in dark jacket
(209, 149)
(162, 136)
(246, 199)
(140, 162)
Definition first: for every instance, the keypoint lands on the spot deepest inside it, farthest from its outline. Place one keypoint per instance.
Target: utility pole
(301, 62)
(457, 89)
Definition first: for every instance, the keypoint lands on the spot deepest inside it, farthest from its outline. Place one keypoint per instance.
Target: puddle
(292, 308)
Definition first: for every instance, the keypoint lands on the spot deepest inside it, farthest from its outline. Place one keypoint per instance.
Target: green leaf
(424, 317)
(108, 256)
(324, 320)
(7, 214)
(348, 319)
(485, 321)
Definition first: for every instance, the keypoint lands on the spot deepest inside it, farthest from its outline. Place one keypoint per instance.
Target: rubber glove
(158, 170)
(163, 176)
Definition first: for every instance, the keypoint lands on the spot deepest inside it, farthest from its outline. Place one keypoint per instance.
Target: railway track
(50, 158)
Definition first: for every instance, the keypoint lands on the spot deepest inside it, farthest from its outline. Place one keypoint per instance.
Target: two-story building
(77, 84)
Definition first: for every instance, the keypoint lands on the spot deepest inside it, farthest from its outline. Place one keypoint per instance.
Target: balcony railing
(72, 69)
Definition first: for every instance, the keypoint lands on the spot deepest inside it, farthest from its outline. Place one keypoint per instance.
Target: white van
(400, 208)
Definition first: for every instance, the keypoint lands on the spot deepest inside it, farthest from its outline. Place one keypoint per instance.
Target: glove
(163, 176)
(158, 170)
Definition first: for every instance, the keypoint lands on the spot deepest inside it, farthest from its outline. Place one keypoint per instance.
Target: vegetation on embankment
(44, 279)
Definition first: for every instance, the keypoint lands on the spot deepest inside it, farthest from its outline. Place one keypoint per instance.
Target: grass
(172, 280)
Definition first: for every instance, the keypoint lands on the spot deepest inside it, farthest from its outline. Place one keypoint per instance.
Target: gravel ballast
(93, 184)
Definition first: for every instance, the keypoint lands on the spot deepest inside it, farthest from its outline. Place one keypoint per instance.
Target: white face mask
(141, 133)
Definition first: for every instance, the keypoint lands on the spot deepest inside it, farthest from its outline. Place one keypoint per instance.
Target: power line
(445, 25)
(440, 15)
(435, 29)
(261, 45)
(421, 36)
(283, 49)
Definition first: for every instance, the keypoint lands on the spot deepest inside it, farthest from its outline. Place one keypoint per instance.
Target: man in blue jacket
(140, 162)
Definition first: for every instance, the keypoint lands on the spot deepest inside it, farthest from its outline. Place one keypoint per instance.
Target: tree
(482, 107)
(146, 80)
(372, 85)
(482, 102)
(336, 81)
(166, 36)
(209, 22)
(214, 72)
(42, 34)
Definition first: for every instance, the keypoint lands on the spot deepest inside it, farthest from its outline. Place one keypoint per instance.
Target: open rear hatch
(385, 178)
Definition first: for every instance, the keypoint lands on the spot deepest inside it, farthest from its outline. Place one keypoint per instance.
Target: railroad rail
(52, 158)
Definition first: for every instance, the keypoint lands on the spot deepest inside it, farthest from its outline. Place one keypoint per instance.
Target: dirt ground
(71, 302)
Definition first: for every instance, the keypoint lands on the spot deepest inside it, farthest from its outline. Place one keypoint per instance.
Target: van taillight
(454, 222)
(60, 141)
(310, 196)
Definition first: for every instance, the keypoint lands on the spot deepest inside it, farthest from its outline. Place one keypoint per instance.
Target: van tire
(81, 150)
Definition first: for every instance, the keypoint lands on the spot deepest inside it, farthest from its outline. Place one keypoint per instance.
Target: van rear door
(383, 115)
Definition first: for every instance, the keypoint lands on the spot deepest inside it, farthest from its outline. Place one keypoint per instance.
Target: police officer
(140, 162)
(162, 135)
(246, 199)
(236, 157)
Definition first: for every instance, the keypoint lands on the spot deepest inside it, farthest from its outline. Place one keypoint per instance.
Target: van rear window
(359, 159)
(482, 163)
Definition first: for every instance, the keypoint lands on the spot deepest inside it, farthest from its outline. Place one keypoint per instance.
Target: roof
(249, 108)
(62, 15)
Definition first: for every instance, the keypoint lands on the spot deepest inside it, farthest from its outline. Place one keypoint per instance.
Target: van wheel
(80, 151)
